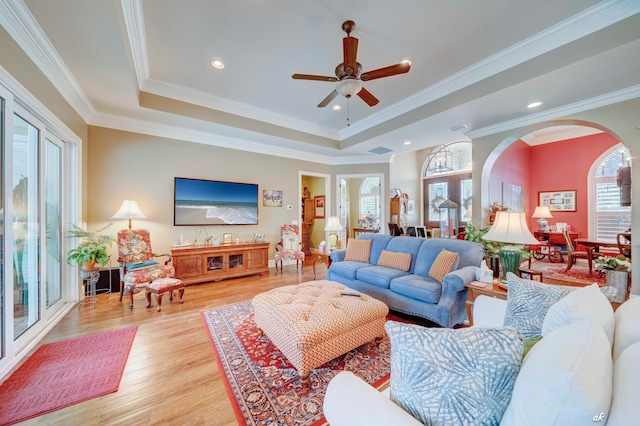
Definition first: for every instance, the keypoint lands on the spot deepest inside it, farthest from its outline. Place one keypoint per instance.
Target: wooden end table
(491, 290)
(319, 257)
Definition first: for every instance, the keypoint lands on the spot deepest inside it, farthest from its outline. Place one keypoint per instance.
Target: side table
(319, 257)
(490, 290)
(91, 277)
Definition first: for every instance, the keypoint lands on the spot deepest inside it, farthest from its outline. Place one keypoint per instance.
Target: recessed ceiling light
(534, 104)
(337, 107)
(217, 64)
(406, 61)
(406, 143)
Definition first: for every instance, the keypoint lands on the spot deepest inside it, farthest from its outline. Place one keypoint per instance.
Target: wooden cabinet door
(188, 266)
(257, 259)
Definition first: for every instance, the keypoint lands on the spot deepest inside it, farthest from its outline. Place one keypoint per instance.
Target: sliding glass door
(52, 220)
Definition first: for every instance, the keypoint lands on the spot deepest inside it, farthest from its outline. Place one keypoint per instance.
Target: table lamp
(542, 213)
(333, 227)
(129, 210)
(510, 228)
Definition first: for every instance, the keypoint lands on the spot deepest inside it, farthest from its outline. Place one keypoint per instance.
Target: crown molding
(152, 128)
(555, 113)
(588, 21)
(134, 25)
(18, 21)
(25, 99)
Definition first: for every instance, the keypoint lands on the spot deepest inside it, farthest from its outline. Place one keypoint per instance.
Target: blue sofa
(412, 292)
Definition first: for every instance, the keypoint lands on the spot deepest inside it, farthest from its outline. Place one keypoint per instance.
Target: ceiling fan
(349, 72)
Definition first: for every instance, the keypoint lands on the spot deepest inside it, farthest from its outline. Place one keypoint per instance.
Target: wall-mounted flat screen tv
(211, 202)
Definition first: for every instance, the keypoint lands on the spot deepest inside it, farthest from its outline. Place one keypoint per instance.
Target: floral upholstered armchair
(137, 267)
(289, 247)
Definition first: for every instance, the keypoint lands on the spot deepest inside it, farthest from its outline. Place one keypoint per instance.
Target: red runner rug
(263, 386)
(61, 374)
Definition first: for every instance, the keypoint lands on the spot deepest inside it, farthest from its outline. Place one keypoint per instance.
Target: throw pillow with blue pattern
(528, 302)
(453, 377)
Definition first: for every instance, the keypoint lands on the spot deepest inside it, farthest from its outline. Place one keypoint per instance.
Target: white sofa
(350, 401)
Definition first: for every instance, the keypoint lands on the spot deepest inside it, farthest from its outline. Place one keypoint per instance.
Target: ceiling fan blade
(349, 50)
(313, 77)
(328, 99)
(366, 96)
(386, 71)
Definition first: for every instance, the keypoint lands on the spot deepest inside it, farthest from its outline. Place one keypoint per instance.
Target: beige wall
(123, 165)
(404, 173)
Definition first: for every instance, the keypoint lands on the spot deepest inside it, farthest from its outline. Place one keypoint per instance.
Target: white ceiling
(473, 62)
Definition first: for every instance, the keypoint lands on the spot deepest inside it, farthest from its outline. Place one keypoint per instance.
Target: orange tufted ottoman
(161, 286)
(312, 323)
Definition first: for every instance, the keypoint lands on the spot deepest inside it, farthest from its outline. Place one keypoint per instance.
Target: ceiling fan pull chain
(348, 111)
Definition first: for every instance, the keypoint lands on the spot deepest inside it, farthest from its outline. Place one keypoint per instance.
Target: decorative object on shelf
(448, 219)
(333, 227)
(542, 213)
(226, 238)
(318, 203)
(510, 228)
(91, 249)
(558, 201)
(129, 210)
(272, 198)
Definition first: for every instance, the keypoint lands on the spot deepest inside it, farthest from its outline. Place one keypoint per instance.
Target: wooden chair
(574, 255)
(624, 243)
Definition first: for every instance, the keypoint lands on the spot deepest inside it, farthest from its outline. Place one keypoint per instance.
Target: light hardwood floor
(171, 376)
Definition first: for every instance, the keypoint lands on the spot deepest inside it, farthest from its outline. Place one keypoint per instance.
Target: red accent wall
(565, 165)
(555, 166)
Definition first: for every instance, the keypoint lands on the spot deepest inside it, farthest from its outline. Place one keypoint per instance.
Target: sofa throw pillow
(527, 304)
(584, 303)
(358, 251)
(395, 260)
(565, 380)
(452, 377)
(444, 263)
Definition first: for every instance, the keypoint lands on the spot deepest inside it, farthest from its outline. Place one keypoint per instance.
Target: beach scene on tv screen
(205, 202)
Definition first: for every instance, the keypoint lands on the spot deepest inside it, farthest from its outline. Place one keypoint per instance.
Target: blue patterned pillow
(528, 302)
(452, 377)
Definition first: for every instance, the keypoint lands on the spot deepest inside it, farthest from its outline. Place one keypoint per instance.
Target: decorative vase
(618, 280)
(510, 258)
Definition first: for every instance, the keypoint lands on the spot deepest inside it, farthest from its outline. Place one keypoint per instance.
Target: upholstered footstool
(161, 286)
(314, 322)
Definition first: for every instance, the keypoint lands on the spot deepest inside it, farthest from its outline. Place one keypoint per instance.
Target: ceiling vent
(380, 150)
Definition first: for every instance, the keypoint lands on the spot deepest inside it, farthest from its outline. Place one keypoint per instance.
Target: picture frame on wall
(319, 207)
(558, 201)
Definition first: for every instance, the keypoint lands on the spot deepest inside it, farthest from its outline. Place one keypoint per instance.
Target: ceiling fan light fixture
(349, 87)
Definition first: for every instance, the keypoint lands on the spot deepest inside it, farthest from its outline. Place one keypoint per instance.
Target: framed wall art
(558, 201)
(226, 238)
(318, 203)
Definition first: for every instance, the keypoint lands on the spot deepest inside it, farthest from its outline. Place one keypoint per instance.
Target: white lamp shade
(333, 224)
(510, 227)
(129, 210)
(542, 212)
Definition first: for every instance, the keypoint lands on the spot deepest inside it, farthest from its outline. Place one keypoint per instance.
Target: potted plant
(491, 248)
(494, 208)
(91, 249)
(617, 271)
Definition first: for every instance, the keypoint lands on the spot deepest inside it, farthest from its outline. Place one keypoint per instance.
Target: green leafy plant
(491, 248)
(92, 247)
(608, 263)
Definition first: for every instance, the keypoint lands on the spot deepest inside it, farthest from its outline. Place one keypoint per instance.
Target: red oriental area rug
(61, 374)
(579, 273)
(263, 386)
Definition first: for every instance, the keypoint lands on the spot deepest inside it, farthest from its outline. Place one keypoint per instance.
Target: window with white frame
(370, 201)
(610, 217)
